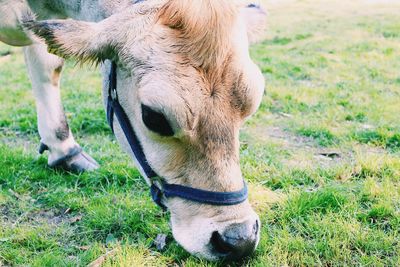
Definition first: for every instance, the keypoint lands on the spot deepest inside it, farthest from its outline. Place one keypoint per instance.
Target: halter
(159, 188)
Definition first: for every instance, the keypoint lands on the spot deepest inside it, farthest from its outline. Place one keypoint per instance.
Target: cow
(181, 73)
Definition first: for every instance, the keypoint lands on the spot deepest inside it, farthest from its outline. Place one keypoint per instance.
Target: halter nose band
(197, 195)
(162, 189)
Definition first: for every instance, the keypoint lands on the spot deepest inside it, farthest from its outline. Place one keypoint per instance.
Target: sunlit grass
(322, 155)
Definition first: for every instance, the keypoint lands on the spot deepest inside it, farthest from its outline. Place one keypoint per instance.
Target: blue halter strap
(162, 189)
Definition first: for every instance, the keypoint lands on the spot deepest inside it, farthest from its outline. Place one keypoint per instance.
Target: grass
(322, 155)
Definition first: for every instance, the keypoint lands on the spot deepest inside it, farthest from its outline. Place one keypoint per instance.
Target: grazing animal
(178, 75)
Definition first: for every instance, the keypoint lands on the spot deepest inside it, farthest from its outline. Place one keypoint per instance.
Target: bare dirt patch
(25, 211)
(304, 152)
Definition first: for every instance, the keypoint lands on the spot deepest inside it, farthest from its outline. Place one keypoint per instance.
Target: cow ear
(256, 21)
(95, 42)
(84, 41)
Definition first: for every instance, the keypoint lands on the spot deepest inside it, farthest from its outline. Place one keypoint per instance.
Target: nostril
(237, 241)
(219, 244)
(256, 228)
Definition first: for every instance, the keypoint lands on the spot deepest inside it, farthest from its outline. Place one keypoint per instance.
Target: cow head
(187, 83)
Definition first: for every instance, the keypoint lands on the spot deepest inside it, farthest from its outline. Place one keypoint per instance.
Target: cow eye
(156, 121)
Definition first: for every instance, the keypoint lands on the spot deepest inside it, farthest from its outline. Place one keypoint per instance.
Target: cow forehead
(222, 94)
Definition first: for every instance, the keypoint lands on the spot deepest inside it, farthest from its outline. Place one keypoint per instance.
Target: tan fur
(203, 28)
(256, 21)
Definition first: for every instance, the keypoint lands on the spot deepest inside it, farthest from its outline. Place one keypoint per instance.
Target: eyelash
(156, 122)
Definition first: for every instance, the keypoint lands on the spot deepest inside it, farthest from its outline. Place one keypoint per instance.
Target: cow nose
(237, 241)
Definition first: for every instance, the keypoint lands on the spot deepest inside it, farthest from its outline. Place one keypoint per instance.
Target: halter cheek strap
(161, 189)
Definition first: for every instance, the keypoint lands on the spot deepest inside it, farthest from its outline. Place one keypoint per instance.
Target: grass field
(322, 155)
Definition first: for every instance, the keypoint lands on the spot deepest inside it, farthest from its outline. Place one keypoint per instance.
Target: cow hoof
(76, 161)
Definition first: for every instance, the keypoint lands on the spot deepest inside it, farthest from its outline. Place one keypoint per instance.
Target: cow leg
(56, 137)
